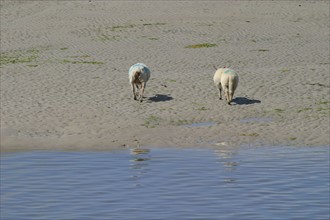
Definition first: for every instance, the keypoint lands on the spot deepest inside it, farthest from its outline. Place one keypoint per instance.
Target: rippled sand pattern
(64, 70)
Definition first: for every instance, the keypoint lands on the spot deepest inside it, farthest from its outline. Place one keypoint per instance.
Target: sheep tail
(136, 76)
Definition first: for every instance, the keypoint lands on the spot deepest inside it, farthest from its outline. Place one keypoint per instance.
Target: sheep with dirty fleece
(226, 79)
(139, 75)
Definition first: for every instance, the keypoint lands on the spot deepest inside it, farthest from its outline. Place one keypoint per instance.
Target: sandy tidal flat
(64, 80)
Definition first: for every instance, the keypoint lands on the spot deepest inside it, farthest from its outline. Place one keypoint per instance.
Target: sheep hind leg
(133, 91)
(220, 96)
(230, 97)
(231, 90)
(228, 100)
(226, 91)
(137, 93)
(142, 91)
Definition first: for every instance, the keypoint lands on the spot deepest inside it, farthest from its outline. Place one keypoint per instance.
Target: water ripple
(211, 183)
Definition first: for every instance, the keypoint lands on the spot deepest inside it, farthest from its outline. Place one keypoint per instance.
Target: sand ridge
(64, 81)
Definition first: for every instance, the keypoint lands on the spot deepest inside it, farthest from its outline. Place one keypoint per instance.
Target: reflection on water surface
(167, 183)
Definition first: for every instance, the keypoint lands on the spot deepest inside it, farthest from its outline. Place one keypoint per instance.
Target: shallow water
(167, 183)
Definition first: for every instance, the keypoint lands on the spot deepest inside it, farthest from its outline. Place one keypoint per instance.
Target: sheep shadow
(160, 98)
(245, 101)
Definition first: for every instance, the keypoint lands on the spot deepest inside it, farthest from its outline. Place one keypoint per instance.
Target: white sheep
(226, 79)
(138, 75)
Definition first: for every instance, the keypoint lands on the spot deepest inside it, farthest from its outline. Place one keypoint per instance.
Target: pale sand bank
(64, 81)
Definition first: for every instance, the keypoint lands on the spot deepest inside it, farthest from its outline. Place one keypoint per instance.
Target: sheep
(226, 79)
(138, 75)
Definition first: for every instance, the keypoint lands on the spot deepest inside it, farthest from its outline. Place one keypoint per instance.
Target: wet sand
(64, 73)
